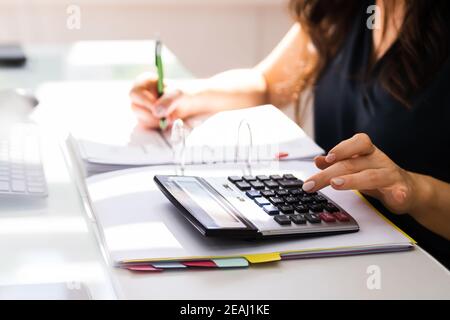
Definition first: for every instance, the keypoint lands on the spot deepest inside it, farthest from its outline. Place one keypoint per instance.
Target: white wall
(208, 35)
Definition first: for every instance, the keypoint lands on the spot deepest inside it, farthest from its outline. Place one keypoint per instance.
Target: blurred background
(208, 36)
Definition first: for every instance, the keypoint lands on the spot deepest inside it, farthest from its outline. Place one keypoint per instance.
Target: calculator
(259, 206)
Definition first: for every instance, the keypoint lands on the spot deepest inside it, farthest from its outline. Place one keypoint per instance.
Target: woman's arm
(272, 81)
(357, 164)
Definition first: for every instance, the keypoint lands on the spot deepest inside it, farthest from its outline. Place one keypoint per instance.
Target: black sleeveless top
(417, 138)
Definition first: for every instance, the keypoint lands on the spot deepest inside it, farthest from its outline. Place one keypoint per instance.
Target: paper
(231, 263)
(129, 198)
(200, 264)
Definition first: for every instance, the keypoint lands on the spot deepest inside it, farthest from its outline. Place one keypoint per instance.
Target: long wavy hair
(422, 46)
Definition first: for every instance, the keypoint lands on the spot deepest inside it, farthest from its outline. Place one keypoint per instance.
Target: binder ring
(248, 161)
(178, 139)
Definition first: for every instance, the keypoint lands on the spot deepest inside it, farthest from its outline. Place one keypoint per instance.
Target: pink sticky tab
(200, 263)
(143, 268)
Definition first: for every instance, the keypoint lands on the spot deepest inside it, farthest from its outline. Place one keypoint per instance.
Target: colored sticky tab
(263, 257)
(200, 263)
(143, 268)
(231, 262)
(168, 265)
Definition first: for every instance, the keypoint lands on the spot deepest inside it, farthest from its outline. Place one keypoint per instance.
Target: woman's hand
(357, 164)
(148, 108)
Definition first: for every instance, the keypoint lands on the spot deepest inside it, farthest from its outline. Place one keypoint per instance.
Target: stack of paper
(142, 231)
(266, 134)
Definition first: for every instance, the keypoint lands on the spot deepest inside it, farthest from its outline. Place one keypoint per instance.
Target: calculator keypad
(282, 197)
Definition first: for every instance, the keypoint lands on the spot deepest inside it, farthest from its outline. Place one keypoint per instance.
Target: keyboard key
(276, 201)
(289, 177)
(290, 183)
(341, 216)
(4, 186)
(313, 218)
(331, 207)
(242, 185)
(270, 209)
(18, 186)
(276, 177)
(298, 218)
(292, 200)
(282, 192)
(301, 208)
(36, 189)
(286, 209)
(317, 207)
(282, 220)
(261, 201)
(271, 184)
(253, 194)
(268, 193)
(249, 178)
(262, 178)
(234, 179)
(327, 217)
(257, 185)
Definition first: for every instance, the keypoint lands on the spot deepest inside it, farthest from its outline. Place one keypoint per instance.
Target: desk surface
(54, 241)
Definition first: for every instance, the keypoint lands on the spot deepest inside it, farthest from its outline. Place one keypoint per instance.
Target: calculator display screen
(218, 215)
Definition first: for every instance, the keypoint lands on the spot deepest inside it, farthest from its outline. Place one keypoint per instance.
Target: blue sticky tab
(231, 262)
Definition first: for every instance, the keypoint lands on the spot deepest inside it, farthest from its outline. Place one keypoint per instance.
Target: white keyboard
(21, 171)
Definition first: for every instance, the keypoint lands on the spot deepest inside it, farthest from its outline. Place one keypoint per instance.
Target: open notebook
(265, 134)
(142, 231)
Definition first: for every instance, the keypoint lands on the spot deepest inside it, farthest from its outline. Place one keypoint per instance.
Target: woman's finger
(145, 117)
(358, 145)
(165, 105)
(369, 179)
(143, 98)
(344, 167)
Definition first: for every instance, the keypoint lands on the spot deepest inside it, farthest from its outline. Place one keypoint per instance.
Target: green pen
(160, 85)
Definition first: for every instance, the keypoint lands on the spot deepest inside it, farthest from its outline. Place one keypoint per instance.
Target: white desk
(55, 242)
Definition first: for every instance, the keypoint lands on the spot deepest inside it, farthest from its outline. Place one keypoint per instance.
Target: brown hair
(421, 49)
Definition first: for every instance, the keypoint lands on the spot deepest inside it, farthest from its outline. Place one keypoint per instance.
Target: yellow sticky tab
(263, 257)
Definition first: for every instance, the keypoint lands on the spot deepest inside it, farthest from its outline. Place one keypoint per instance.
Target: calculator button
(257, 185)
(295, 192)
(327, 217)
(320, 199)
(234, 179)
(271, 209)
(271, 184)
(262, 178)
(268, 193)
(283, 220)
(253, 194)
(249, 178)
(242, 185)
(261, 201)
(276, 177)
(306, 199)
(290, 183)
(313, 218)
(276, 201)
(341, 216)
(289, 177)
(316, 207)
(282, 192)
(298, 218)
(291, 200)
(331, 207)
(286, 209)
(301, 208)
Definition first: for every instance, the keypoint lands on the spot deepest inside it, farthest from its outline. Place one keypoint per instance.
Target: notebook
(258, 134)
(142, 231)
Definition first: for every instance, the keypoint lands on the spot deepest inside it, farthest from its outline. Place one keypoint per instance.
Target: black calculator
(254, 206)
